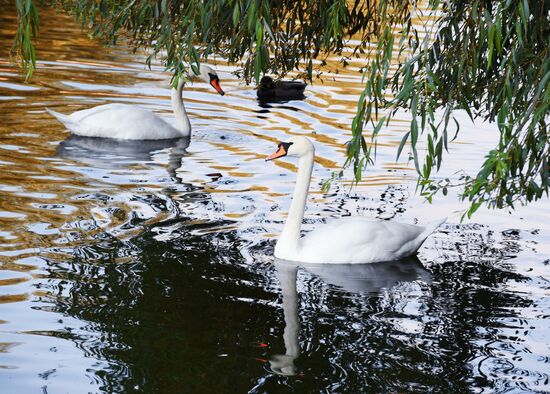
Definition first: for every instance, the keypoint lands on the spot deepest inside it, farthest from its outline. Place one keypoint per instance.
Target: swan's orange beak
(216, 85)
(280, 153)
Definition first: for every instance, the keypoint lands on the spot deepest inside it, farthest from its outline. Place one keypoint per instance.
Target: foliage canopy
(489, 58)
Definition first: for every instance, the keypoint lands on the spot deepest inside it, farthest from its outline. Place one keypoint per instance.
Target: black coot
(280, 90)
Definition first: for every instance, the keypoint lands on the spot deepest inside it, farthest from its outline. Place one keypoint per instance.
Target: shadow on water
(170, 319)
(191, 315)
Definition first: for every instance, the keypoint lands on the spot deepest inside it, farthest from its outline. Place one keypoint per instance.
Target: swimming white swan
(345, 240)
(129, 122)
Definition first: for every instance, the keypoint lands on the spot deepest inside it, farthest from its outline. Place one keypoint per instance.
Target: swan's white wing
(357, 239)
(120, 121)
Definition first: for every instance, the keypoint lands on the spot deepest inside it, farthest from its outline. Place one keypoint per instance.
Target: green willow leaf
(488, 58)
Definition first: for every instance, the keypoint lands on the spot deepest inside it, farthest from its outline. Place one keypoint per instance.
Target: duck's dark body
(280, 90)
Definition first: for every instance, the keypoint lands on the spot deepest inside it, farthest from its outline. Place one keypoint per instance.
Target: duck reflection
(352, 278)
(106, 153)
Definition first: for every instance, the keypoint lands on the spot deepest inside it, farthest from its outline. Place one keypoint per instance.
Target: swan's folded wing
(356, 239)
(119, 121)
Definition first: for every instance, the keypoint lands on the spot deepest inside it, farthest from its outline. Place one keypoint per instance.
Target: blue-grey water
(148, 267)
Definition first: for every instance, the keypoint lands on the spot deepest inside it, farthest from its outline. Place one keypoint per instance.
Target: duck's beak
(216, 85)
(280, 153)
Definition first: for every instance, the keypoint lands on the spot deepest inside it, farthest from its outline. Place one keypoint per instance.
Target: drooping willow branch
(488, 58)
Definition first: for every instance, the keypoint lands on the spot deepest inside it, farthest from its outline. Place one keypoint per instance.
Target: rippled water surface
(147, 267)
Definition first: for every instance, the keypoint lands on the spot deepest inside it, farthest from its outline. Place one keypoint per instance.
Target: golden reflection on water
(52, 200)
(58, 196)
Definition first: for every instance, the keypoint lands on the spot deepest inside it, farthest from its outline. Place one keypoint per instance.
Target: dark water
(147, 267)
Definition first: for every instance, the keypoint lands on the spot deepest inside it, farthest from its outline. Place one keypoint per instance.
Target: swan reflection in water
(352, 278)
(110, 154)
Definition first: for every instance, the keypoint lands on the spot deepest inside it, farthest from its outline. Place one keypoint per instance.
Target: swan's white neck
(290, 237)
(182, 120)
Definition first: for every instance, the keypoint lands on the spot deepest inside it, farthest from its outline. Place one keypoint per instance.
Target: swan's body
(129, 122)
(358, 239)
(343, 241)
(121, 121)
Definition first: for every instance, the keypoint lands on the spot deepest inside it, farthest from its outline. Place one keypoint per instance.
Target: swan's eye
(213, 77)
(285, 146)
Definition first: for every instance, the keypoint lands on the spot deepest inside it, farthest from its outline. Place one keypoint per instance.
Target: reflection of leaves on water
(386, 206)
(393, 201)
(475, 243)
(45, 375)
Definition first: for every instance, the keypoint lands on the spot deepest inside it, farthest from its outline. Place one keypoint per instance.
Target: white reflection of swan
(353, 278)
(284, 364)
(111, 154)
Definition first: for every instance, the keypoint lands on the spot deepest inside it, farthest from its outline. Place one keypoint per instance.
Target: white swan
(345, 240)
(129, 122)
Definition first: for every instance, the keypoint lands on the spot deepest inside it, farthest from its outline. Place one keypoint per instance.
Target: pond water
(149, 267)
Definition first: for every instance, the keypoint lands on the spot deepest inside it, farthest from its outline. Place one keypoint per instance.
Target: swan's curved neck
(182, 120)
(291, 232)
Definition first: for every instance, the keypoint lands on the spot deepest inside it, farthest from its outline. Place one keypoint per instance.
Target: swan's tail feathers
(62, 118)
(428, 229)
(431, 227)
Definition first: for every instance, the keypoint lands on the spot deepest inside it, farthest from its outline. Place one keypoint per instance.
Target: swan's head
(295, 147)
(208, 75)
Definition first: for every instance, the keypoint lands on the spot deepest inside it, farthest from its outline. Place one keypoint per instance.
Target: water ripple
(147, 266)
